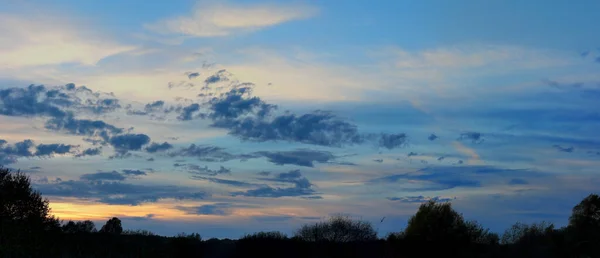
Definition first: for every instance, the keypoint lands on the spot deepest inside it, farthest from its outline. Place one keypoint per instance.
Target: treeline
(28, 230)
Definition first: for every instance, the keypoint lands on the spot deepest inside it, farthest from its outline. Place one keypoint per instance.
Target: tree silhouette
(79, 227)
(585, 224)
(337, 229)
(439, 222)
(24, 214)
(112, 226)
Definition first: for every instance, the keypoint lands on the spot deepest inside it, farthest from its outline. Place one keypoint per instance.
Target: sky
(232, 117)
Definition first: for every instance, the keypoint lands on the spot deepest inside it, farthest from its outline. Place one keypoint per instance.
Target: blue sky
(226, 118)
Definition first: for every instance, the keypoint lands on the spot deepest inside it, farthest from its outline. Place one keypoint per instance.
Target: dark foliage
(436, 230)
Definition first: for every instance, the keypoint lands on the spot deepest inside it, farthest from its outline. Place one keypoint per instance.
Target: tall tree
(112, 226)
(24, 214)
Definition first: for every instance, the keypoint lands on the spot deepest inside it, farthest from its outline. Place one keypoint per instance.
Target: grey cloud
(378, 160)
(300, 157)
(90, 152)
(156, 147)
(50, 149)
(220, 209)
(563, 149)
(302, 187)
(127, 142)
(193, 75)
(392, 141)
(418, 199)
(117, 192)
(197, 170)
(208, 153)
(108, 176)
(518, 181)
(432, 137)
(187, 112)
(224, 181)
(474, 137)
(133, 172)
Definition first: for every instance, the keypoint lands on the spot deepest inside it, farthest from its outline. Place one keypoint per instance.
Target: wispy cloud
(222, 19)
(51, 40)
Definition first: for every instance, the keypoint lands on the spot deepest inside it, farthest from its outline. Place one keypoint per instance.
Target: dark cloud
(129, 142)
(133, 172)
(220, 209)
(51, 149)
(448, 177)
(86, 127)
(418, 199)
(563, 86)
(187, 113)
(474, 137)
(118, 193)
(300, 157)
(32, 101)
(197, 170)
(378, 160)
(193, 75)
(103, 176)
(564, 149)
(154, 105)
(518, 181)
(208, 153)
(410, 154)
(392, 141)
(9, 153)
(432, 137)
(156, 147)
(221, 75)
(90, 152)
(224, 181)
(264, 173)
(441, 158)
(291, 175)
(301, 186)
(236, 103)
(584, 53)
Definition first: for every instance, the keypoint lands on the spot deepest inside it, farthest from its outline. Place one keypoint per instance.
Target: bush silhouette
(79, 227)
(337, 229)
(112, 226)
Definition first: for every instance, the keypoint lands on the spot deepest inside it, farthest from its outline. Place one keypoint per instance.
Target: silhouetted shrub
(337, 229)
(112, 226)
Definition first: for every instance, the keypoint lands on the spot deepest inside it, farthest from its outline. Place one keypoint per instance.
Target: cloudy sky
(230, 117)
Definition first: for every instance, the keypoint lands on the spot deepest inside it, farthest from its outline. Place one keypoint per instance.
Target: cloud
(90, 152)
(156, 147)
(219, 209)
(300, 157)
(9, 153)
(564, 149)
(86, 127)
(133, 172)
(301, 186)
(51, 40)
(208, 153)
(391, 141)
(127, 142)
(419, 199)
(118, 193)
(193, 75)
(187, 112)
(197, 170)
(378, 160)
(50, 149)
(474, 137)
(104, 176)
(518, 181)
(224, 181)
(432, 137)
(214, 20)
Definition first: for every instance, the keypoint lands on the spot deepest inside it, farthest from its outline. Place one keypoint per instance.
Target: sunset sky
(231, 117)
